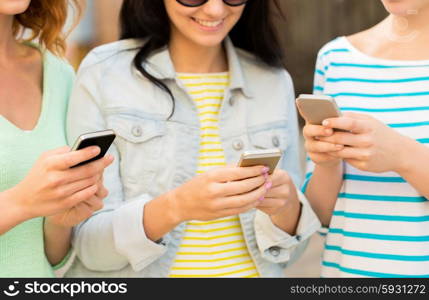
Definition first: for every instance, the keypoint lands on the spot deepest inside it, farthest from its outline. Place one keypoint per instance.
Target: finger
(348, 139)
(80, 196)
(94, 203)
(89, 170)
(76, 186)
(240, 210)
(348, 124)
(277, 192)
(322, 147)
(352, 153)
(67, 160)
(270, 202)
(243, 200)
(237, 173)
(242, 186)
(312, 131)
(102, 192)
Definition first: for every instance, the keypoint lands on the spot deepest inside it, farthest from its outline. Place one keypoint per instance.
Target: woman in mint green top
(36, 181)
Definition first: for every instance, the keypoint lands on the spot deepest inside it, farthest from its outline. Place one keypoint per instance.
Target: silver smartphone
(265, 157)
(316, 108)
(102, 139)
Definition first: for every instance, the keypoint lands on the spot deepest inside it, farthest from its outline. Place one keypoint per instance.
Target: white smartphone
(316, 108)
(265, 157)
(102, 139)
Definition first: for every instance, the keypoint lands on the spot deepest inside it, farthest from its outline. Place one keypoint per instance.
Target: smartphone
(265, 157)
(316, 108)
(102, 139)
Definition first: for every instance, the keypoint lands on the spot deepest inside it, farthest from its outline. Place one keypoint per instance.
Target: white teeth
(208, 24)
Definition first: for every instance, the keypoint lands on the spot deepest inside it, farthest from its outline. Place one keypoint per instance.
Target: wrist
(16, 205)
(172, 211)
(288, 216)
(51, 224)
(403, 161)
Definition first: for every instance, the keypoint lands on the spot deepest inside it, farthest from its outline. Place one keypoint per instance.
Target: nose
(214, 8)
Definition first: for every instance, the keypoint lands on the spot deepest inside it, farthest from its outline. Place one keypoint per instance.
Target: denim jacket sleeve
(114, 236)
(274, 244)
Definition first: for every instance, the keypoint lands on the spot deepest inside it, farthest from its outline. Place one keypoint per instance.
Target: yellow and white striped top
(216, 248)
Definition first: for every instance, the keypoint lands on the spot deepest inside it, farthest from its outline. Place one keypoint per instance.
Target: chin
(13, 7)
(403, 7)
(209, 42)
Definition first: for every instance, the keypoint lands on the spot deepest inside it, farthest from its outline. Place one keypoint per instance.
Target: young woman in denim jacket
(158, 193)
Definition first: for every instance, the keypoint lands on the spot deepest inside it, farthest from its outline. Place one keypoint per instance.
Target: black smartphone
(102, 139)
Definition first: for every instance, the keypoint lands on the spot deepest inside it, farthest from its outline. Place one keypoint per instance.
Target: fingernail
(261, 199)
(339, 146)
(96, 150)
(268, 185)
(328, 131)
(266, 176)
(325, 123)
(265, 170)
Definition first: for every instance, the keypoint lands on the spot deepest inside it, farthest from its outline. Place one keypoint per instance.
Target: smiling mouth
(209, 24)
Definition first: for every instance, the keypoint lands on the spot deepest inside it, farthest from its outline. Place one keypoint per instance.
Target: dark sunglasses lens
(235, 2)
(192, 3)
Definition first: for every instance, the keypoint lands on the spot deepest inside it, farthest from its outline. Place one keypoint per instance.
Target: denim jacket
(154, 154)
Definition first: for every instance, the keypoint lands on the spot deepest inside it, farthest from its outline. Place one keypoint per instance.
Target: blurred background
(307, 26)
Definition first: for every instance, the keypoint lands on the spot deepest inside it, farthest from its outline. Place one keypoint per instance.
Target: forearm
(414, 166)
(12, 213)
(160, 216)
(323, 188)
(287, 220)
(57, 241)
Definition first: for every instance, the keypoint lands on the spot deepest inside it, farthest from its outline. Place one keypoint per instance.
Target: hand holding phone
(266, 157)
(102, 139)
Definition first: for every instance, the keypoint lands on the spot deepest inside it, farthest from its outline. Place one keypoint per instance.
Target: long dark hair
(148, 19)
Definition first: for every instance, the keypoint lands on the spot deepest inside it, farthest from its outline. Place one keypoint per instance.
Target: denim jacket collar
(161, 66)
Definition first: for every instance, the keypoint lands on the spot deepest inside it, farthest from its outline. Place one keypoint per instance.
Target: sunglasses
(196, 3)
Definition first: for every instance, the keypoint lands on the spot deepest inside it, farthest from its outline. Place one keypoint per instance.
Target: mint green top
(22, 248)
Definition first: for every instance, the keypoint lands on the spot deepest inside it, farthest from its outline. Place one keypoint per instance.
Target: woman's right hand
(220, 193)
(317, 150)
(52, 186)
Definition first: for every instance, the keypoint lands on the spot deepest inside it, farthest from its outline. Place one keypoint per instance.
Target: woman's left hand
(371, 145)
(281, 201)
(81, 211)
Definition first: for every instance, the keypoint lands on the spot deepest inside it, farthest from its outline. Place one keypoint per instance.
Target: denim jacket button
(298, 237)
(238, 145)
(276, 141)
(137, 130)
(274, 251)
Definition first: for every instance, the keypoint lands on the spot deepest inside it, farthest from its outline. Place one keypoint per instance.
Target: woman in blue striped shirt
(370, 184)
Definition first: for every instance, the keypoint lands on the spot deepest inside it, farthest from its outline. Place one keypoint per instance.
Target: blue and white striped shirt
(380, 224)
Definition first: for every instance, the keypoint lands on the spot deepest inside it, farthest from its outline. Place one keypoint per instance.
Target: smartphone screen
(102, 139)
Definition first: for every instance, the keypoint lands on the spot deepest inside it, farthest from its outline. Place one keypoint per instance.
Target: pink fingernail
(265, 170)
(268, 185)
(261, 199)
(325, 123)
(266, 176)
